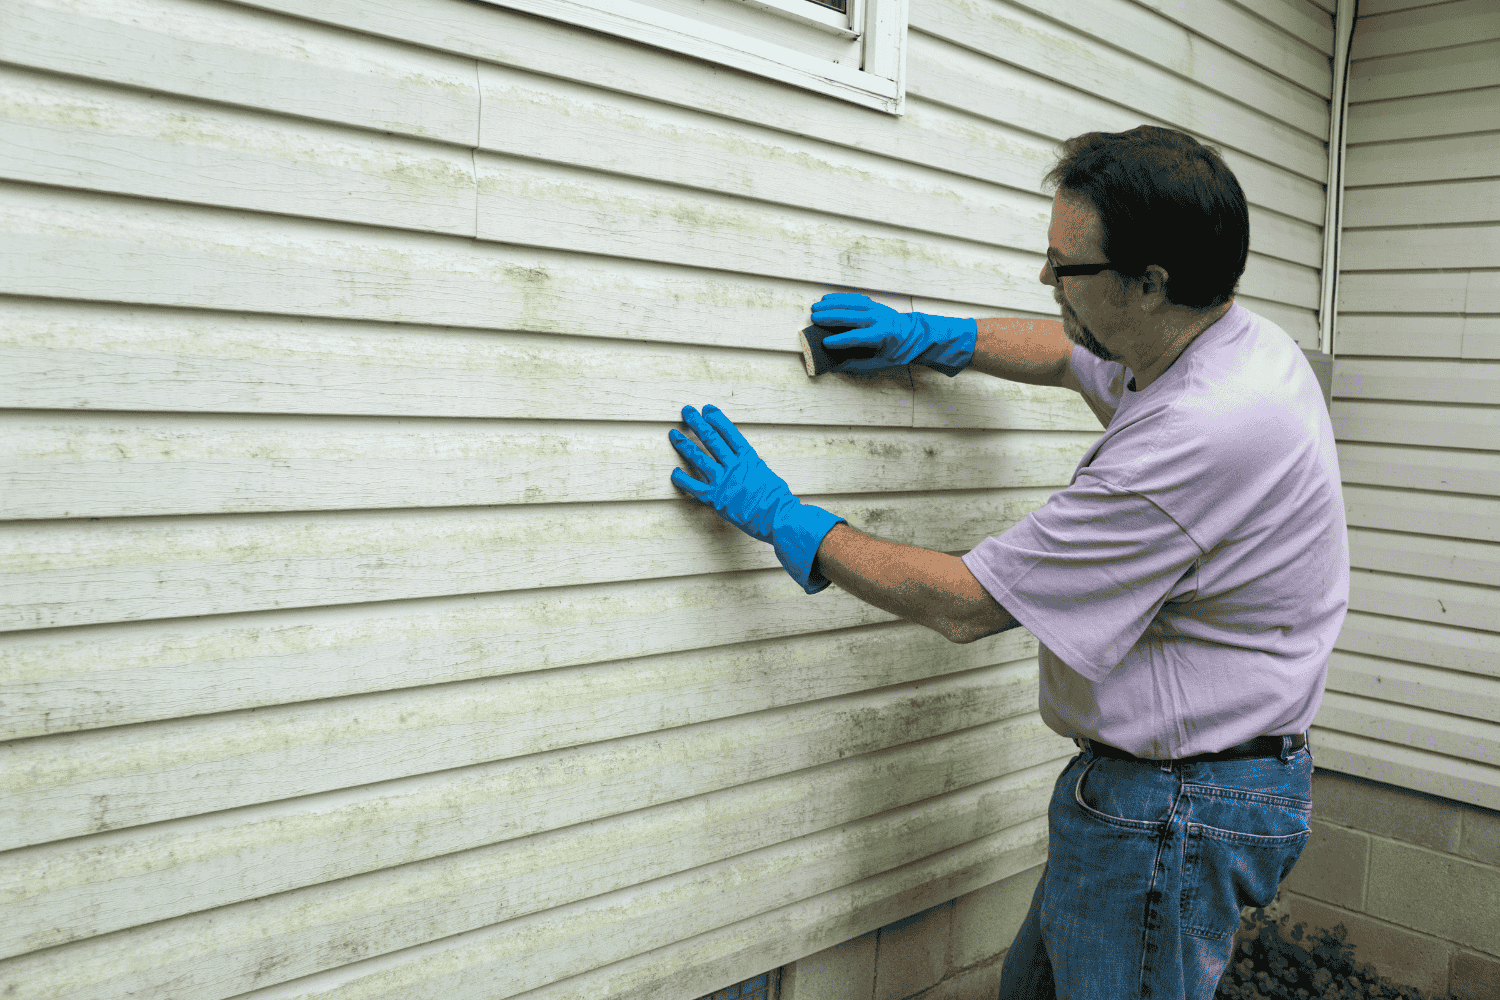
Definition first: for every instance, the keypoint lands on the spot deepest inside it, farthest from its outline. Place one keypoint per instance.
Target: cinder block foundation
(1413, 878)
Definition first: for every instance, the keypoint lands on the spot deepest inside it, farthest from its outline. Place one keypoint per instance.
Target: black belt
(1261, 746)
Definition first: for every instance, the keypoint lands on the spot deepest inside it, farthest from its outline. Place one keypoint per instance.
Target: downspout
(1333, 208)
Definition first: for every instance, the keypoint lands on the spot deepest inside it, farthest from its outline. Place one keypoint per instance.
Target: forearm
(1022, 350)
(930, 588)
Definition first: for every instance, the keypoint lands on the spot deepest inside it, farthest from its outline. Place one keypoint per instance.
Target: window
(850, 49)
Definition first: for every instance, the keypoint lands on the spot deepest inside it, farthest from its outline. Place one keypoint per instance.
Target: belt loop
(1286, 749)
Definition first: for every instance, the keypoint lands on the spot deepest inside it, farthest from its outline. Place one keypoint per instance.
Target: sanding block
(817, 359)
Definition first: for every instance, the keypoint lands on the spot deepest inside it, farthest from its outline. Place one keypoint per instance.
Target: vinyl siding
(356, 643)
(1414, 687)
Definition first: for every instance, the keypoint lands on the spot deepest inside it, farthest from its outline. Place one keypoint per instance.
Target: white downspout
(1333, 208)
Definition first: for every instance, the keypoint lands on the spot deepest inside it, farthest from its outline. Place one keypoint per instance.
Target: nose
(1046, 276)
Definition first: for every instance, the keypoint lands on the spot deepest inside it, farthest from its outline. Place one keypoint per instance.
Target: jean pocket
(1122, 799)
(1227, 869)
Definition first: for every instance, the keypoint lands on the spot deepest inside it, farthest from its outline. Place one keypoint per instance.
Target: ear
(1154, 287)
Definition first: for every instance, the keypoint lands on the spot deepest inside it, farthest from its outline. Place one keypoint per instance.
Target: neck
(1178, 328)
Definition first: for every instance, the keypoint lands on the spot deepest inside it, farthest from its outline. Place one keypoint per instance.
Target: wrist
(952, 342)
(800, 529)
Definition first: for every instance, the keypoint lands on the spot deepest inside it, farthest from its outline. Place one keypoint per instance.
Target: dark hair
(1166, 199)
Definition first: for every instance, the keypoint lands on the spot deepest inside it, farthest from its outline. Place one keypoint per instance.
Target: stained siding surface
(355, 642)
(1414, 685)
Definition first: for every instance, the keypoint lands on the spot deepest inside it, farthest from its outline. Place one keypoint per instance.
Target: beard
(1080, 334)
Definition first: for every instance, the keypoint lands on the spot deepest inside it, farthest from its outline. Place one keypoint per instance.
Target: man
(1185, 589)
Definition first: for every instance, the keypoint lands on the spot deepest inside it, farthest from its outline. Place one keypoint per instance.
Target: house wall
(1405, 851)
(357, 644)
(1414, 682)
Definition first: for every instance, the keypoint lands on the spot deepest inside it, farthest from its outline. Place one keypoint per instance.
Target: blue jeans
(1148, 865)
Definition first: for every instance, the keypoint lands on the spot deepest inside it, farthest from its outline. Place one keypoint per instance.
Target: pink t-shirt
(1188, 586)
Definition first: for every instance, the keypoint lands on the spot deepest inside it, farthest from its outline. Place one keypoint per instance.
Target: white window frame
(879, 25)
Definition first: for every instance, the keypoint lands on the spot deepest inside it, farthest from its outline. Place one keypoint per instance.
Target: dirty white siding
(358, 645)
(1414, 687)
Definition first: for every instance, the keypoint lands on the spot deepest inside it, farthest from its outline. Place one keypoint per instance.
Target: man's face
(1092, 304)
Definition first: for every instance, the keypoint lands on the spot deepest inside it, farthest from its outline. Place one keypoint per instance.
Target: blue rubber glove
(942, 343)
(746, 493)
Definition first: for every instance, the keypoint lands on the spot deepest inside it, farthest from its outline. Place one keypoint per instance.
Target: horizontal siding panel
(1428, 27)
(1452, 382)
(1405, 767)
(1481, 336)
(1420, 117)
(228, 53)
(64, 891)
(99, 247)
(82, 135)
(1416, 160)
(207, 956)
(69, 573)
(1432, 247)
(1404, 292)
(1434, 425)
(1424, 205)
(1471, 517)
(1453, 336)
(781, 936)
(560, 122)
(1308, 21)
(1280, 281)
(547, 205)
(149, 773)
(1468, 651)
(1436, 732)
(1369, 8)
(1416, 685)
(88, 465)
(1424, 599)
(1275, 235)
(1402, 336)
(1246, 50)
(1300, 323)
(946, 68)
(541, 950)
(1433, 72)
(60, 680)
(1450, 559)
(1439, 470)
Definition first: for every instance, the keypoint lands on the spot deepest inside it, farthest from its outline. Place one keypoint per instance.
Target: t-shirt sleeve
(1087, 572)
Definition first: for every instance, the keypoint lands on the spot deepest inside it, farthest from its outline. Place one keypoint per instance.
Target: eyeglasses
(1063, 270)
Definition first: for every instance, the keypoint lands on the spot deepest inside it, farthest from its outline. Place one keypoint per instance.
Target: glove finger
(854, 338)
(707, 434)
(706, 467)
(726, 427)
(831, 318)
(851, 299)
(683, 481)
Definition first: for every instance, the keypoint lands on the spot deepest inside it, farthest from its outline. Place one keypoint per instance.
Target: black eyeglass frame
(1064, 270)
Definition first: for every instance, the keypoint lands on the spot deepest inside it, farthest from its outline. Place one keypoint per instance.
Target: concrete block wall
(1414, 879)
(952, 951)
